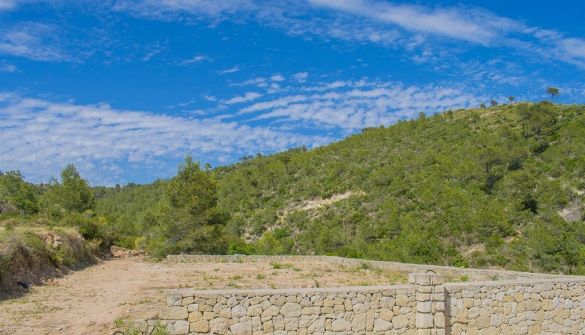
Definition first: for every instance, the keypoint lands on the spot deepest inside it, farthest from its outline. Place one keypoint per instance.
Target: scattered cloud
(232, 69)
(8, 68)
(249, 96)
(195, 59)
(277, 77)
(7, 4)
(35, 41)
(572, 50)
(301, 76)
(413, 28)
(39, 137)
(355, 105)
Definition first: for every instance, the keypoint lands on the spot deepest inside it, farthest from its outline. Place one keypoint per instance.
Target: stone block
(291, 309)
(174, 300)
(174, 313)
(424, 320)
(242, 328)
(340, 325)
(181, 327)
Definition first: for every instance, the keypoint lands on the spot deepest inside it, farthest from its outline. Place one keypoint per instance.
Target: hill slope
(488, 187)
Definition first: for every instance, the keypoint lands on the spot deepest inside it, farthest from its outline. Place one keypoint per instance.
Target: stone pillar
(430, 303)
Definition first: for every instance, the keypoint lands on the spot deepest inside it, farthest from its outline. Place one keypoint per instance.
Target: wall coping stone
(288, 291)
(454, 287)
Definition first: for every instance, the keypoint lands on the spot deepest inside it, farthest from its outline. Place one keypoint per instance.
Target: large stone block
(174, 313)
(242, 328)
(340, 325)
(291, 309)
(424, 320)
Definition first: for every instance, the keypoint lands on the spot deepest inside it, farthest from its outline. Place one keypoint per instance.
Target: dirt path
(90, 300)
(87, 301)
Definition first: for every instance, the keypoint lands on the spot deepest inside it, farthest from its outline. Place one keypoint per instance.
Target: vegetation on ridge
(500, 186)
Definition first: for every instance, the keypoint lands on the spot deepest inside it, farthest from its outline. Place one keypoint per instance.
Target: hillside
(492, 187)
(501, 186)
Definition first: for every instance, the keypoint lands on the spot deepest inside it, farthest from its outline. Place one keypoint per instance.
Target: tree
(553, 91)
(73, 193)
(493, 103)
(187, 218)
(192, 188)
(16, 194)
(511, 99)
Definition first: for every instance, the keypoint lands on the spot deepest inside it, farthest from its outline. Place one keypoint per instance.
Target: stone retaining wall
(357, 310)
(426, 306)
(517, 307)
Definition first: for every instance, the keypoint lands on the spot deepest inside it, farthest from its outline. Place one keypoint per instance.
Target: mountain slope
(429, 190)
(488, 187)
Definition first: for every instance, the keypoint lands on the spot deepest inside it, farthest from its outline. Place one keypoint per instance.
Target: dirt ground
(93, 300)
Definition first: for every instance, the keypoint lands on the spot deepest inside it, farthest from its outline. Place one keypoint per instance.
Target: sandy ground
(91, 300)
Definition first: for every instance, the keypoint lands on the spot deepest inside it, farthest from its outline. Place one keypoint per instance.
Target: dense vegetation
(500, 186)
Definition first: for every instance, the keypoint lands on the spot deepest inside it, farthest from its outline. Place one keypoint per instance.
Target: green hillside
(502, 186)
(471, 187)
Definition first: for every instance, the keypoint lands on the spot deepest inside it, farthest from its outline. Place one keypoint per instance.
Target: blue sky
(124, 89)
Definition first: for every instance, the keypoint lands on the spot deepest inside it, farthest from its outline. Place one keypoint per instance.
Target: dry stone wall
(358, 310)
(517, 307)
(425, 306)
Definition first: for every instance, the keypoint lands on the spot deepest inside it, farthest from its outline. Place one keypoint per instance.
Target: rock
(195, 316)
(424, 320)
(400, 321)
(219, 325)
(270, 311)
(238, 311)
(291, 324)
(174, 300)
(242, 328)
(201, 326)
(255, 310)
(382, 325)
(174, 313)
(291, 309)
(340, 325)
(181, 327)
(359, 322)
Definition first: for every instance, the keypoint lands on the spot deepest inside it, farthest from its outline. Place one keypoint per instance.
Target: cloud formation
(413, 28)
(35, 41)
(39, 137)
(248, 96)
(352, 105)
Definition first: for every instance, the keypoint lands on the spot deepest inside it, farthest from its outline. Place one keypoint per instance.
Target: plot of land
(91, 300)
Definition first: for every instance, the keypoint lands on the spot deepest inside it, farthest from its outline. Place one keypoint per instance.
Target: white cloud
(572, 50)
(216, 9)
(35, 41)
(391, 24)
(249, 96)
(277, 77)
(194, 59)
(354, 105)
(232, 69)
(8, 68)
(7, 4)
(472, 26)
(39, 137)
(301, 76)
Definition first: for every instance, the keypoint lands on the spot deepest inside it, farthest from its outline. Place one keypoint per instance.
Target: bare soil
(90, 301)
